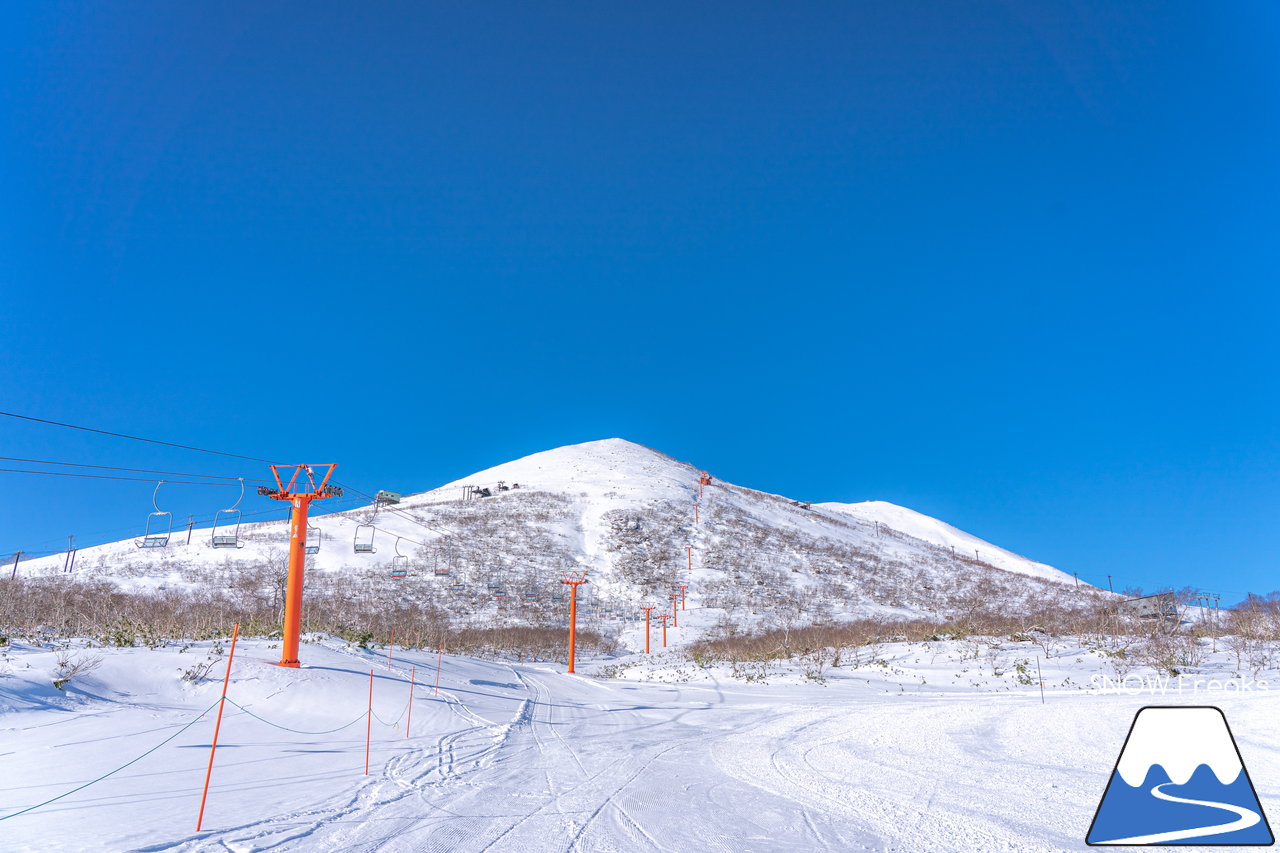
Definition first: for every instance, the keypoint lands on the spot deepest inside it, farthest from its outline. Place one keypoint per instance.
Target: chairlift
(224, 539)
(498, 593)
(314, 538)
(457, 587)
(493, 585)
(438, 567)
(153, 535)
(399, 563)
(367, 546)
(530, 596)
(557, 597)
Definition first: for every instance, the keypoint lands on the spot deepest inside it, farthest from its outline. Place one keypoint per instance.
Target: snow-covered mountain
(626, 513)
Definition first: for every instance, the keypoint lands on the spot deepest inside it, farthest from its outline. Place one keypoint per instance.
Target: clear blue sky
(1013, 265)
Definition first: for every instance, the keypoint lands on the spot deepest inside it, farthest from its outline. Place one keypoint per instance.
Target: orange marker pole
(688, 550)
(675, 613)
(217, 726)
(664, 617)
(368, 729)
(391, 645)
(439, 661)
(413, 672)
(695, 513)
(682, 589)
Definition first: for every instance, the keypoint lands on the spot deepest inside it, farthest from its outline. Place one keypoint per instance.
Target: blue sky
(1012, 266)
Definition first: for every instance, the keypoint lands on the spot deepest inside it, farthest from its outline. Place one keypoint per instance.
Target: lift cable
(133, 437)
(133, 470)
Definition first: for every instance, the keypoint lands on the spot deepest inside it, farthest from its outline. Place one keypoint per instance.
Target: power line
(134, 470)
(109, 477)
(133, 437)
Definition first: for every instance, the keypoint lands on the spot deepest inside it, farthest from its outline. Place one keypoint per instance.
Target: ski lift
(153, 535)
(457, 587)
(493, 585)
(440, 568)
(399, 563)
(224, 539)
(530, 596)
(314, 537)
(364, 547)
(498, 593)
(557, 597)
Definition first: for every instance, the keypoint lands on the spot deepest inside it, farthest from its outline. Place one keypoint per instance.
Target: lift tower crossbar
(300, 490)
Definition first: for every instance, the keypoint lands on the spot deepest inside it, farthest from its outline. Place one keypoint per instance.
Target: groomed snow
(915, 747)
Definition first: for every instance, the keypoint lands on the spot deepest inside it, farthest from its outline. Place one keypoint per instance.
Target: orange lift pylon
(704, 480)
(675, 612)
(300, 490)
(664, 617)
(683, 587)
(647, 607)
(688, 552)
(573, 578)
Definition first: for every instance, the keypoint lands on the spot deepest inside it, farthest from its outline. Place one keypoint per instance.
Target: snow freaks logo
(1135, 685)
(1180, 780)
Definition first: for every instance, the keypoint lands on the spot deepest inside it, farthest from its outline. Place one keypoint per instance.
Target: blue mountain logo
(1180, 780)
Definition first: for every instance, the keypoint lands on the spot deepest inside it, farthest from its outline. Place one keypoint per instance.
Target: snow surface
(942, 534)
(914, 747)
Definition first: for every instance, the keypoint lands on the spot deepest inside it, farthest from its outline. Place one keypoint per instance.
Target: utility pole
(190, 524)
(66, 565)
(300, 491)
(573, 578)
(1109, 589)
(16, 558)
(647, 607)
(1076, 575)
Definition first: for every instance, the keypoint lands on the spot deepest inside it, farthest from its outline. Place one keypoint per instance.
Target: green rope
(118, 769)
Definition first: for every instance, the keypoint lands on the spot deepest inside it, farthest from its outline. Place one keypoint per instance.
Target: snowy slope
(626, 513)
(940, 533)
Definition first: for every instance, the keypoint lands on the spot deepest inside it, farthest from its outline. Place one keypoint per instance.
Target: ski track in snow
(522, 757)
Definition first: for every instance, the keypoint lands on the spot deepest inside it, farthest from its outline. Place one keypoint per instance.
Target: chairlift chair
(367, 546)
(314, 538)
(530, 596)
(457, 587)
(399, 563)
(153, 535)
(498, 593)
(221, 538)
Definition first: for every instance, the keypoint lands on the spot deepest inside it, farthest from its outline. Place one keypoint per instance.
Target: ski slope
(522, 757)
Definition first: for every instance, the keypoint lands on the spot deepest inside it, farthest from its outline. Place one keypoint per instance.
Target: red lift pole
(664, 617)
(683, 587)
(574, 579)
(300, 491)
(648, 611)
(688, 552)
(675, 612)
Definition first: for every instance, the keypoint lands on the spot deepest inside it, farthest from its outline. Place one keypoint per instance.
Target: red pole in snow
(439, 660)
(683, 587)
(573, 578)
(675, 613)
(413, 672)
(688, 550)
(368, 729)
(664, 617)
(648, 609)
(695, 513)
(217, 726)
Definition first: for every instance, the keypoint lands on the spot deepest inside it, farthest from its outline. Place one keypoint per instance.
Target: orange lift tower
(682, 587)
(647, 607)
(688, 553)
(675, 612)
(574, 578)
(664, 617)
(300, 491)
(704, 480)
